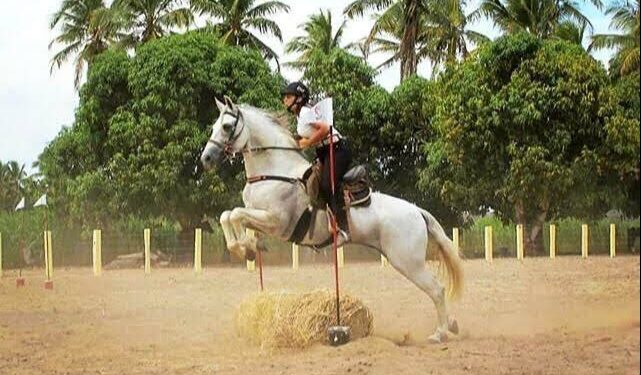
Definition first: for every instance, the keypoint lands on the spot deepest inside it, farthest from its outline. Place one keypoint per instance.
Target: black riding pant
(342, 163)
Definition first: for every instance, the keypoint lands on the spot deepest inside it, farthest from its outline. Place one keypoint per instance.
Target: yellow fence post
(147, 251)
(295, 256)
(341, 257)
(198, 251)
(584, 241)
(251, 264)
(97, 252)
(46, 251)
(384, 261)
(613, 241)
(519, 242)
(489, 246)
(50, 248)
(552, 241)
(456, 239)
(0, 254)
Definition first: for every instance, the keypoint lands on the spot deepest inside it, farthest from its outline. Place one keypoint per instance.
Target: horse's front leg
(261, 220)
(231, 238)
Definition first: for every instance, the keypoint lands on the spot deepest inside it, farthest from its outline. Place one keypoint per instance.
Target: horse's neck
(286, 163)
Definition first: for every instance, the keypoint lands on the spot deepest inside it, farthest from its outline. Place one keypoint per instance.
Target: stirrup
(345, 235)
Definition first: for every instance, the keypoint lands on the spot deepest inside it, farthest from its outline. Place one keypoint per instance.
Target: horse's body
(397, 228)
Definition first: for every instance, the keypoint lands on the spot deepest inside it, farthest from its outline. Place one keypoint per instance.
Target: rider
(317, 133)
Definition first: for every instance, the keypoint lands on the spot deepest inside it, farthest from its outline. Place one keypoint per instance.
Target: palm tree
(411, 11)
(12, 178)
(238, 17)
(151, 19)
(625, 18)
(446, 34)
(538, 17)
(87, 28)
(443, 35)
(572, 32)
(319, 37)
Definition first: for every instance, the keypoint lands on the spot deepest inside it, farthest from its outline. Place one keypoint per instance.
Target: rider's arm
(321, 129)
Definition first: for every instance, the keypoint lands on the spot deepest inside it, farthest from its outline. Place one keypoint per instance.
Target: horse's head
(229, 135)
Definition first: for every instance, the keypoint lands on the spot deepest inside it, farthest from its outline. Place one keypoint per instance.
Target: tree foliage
(141, 126)
(519, 130)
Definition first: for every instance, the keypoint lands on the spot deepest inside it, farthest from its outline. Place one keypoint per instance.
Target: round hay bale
(287, 320)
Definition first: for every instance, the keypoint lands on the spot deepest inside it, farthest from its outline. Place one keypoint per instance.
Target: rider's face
(288, 100)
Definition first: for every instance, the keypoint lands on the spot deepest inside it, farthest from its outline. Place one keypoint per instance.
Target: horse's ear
(220, 105)
(230, 103)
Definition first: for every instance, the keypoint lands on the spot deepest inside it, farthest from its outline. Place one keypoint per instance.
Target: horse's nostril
(207, 158)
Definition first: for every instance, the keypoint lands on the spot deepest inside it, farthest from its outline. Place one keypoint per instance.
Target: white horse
(275, 201)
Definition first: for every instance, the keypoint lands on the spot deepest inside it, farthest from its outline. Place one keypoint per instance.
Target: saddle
(357, 188)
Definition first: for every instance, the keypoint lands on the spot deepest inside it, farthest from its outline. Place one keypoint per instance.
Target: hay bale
(287, 320)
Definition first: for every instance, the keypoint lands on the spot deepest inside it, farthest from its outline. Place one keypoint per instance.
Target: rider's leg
(342, 161)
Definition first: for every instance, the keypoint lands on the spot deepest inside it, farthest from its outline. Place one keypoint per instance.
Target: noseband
(233, 136)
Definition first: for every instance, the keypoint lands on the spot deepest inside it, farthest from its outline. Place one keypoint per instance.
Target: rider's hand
(303, 143)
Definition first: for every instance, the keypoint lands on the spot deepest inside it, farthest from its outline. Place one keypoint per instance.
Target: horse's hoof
(250, 255)
(437, 338)
(453, 326)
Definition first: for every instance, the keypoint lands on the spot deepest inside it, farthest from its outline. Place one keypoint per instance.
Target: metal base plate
(338, 335)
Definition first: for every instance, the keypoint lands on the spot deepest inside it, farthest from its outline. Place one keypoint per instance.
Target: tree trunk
(533, 241)
(408, 43)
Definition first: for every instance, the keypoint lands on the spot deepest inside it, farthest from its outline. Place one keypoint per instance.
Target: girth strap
(304, 225)
(292, 180)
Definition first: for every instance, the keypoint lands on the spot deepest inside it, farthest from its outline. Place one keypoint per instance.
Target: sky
(35, 105)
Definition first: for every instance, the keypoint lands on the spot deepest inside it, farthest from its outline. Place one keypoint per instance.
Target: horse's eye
(228, 128)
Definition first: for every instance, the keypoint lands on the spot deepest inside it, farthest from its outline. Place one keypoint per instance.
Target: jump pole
(338, 335)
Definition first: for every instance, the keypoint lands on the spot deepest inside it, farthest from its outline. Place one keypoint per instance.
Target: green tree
(319, 36)
(87, 28)
(540, 18)
(385, 131)
(146, 20)
(141, 125)
(518, 130)
(239, 17)
(620, 107)
(443, 35)
(412, 11)
(12, 181)
(625, 18)
(572, 32)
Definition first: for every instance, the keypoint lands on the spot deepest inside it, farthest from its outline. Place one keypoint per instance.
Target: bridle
(227, 146)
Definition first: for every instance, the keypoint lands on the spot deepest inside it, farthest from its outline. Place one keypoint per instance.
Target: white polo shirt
(321, 112)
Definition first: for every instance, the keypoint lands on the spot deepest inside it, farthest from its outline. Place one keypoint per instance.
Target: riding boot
(342, 223)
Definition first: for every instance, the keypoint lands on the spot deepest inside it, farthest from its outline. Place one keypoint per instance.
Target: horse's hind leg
(410, 262)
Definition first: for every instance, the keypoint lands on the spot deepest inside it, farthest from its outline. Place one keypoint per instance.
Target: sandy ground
(540, 316)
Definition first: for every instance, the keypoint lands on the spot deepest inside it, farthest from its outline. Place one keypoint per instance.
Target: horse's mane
(280, 120)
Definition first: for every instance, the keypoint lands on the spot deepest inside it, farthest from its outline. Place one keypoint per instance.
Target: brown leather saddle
(357, 187)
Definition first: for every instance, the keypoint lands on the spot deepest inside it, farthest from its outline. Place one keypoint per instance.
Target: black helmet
(299, 90)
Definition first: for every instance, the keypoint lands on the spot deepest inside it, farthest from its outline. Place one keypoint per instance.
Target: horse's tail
(449, 255)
